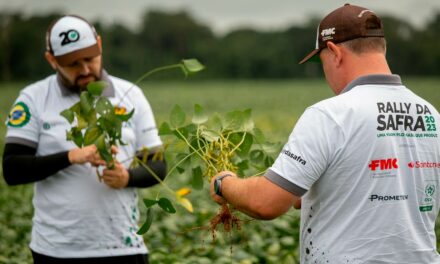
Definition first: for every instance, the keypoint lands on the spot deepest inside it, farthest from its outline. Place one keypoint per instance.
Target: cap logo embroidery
(363, 12)
(328, 33)
(69, 37)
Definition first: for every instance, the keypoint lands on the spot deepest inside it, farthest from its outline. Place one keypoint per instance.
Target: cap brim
(310, 57)
(69, 58)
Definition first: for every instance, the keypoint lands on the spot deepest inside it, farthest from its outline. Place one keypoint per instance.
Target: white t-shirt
(75, 214)
(368, 164)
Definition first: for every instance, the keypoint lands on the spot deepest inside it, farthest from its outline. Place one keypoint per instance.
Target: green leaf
(165, 129)
(234, 121)
(148, 202)
(180, 169)
(107, 156)
(126, 117)
(256, 156)
(100, 142)
(258, 135)
(91, 118)
(111, 124)
(271, 147)
(268, 161)
(242, 166)
(147, 224)
(199, 116)
(77, 137)
(210, 135)
(104, 106)
(96, 88)
(246, 142)
(68, 114)
(177, 117)
(91, 135)
(166, 205)
(197, 179)
(192, 65)
(248, 123)
(76, 108)
(216, 123)
(86, 102)
(82, 122)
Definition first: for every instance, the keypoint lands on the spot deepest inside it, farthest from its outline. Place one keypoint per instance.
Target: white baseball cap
(70, 38)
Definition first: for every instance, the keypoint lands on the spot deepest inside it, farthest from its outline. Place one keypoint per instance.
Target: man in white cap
(364, 164)
(77, 218)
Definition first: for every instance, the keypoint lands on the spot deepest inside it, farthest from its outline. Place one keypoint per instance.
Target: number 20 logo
(69, 36)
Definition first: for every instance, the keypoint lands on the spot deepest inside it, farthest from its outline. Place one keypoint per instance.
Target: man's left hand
(117, 177)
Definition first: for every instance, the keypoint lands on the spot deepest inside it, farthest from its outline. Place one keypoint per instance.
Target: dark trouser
(130, 259)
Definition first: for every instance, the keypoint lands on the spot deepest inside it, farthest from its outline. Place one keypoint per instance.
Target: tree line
(166, 38)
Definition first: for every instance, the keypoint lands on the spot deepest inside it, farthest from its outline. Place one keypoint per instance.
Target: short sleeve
(146, 131)
(310, 149)
(23, 122)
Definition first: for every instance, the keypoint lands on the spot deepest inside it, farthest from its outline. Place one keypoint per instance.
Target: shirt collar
(382, 79)
(109, 91)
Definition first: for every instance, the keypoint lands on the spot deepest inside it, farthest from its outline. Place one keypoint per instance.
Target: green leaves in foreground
(207, 145)
(96, 121)
(163, 203)
(216, 143)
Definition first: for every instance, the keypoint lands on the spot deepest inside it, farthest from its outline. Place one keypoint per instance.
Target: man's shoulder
(121, 83)
(39, 87)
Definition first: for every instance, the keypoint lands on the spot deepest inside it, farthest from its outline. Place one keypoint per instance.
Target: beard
(79, 84)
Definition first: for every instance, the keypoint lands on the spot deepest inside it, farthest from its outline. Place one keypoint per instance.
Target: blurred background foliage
(165, 38)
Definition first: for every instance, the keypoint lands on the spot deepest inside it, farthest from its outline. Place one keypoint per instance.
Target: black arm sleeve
(141, 177)
(20, 165)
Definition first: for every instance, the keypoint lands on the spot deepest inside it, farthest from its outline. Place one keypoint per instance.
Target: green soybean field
(184, 237)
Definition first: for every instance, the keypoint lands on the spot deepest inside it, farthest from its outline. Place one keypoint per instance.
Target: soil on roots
(226, 218)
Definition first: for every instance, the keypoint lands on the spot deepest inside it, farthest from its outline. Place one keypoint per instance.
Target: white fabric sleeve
(146, 131)
(310, 149)
(23, 122)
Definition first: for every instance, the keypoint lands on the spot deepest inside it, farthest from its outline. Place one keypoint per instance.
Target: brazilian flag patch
(19, 115)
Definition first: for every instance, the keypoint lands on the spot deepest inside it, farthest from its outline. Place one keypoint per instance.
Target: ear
(99, 40)
(336, 52)
(51, 59)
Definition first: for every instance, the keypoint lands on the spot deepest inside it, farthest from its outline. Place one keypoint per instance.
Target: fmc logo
(383, 164)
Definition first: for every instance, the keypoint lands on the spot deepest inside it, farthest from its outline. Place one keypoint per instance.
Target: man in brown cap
(77, 218)
(362, 166)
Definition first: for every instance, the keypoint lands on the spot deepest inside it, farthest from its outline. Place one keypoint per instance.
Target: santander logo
(423, 165)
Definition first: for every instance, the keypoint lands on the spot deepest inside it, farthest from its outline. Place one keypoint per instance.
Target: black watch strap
(218, 184)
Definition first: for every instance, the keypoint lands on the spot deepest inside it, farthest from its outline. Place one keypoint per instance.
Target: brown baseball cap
(346, 23)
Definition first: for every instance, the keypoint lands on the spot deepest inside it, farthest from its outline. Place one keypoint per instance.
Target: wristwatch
(218, 184)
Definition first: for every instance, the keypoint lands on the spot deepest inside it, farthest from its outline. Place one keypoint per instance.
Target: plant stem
(145, 75)
(239, 144)
(155, 175)
(196, 151)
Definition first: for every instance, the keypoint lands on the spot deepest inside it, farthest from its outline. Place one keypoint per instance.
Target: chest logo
(19, 115)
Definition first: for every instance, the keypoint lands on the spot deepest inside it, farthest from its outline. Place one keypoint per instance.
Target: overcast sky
(223, 15)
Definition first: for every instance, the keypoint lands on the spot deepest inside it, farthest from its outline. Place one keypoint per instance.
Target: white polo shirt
(368, 164)
(75, 214)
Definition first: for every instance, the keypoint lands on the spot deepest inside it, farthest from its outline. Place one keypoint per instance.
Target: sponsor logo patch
(383, 168)
(423, 165)
(19, 115)
(401, 119)
(69, 37)
(386, 198)
(294, 157)
(427, 200)
(328, 33)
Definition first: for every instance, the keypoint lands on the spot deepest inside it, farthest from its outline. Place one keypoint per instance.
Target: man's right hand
(86, 154)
